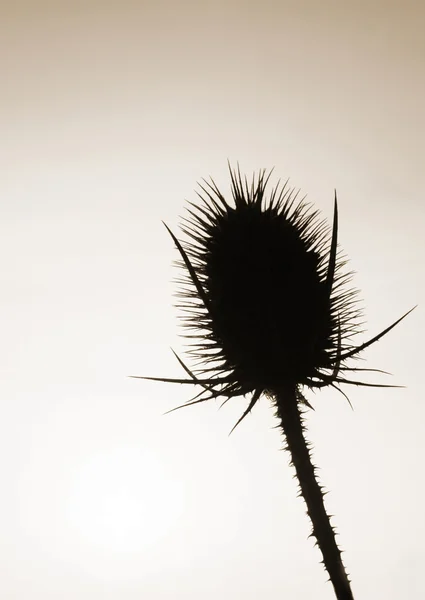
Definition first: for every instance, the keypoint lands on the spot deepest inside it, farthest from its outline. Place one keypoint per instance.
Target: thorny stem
(289, 413)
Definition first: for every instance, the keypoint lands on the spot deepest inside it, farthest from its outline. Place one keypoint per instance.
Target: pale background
(110, 113)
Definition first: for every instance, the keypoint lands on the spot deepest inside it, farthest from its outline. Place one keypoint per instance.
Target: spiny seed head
(268, 313)
(264, 294)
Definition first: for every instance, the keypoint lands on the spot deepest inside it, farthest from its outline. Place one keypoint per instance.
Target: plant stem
(288, 411)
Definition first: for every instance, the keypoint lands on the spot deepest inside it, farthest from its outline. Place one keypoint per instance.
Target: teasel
(267, 303)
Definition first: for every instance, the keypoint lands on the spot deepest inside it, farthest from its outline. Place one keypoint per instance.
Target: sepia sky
(110, 112)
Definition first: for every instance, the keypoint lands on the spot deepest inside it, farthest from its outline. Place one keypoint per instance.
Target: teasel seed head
(266, 296)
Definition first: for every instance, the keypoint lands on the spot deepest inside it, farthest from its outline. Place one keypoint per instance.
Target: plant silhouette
(267, 303)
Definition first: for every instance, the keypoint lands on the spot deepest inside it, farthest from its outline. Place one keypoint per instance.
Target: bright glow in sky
(112, 507)
(110, 113)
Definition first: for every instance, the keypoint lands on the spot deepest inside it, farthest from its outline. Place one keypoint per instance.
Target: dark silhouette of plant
(266, 296)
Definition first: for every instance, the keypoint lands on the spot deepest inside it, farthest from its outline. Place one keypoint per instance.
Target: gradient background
(110, 113)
